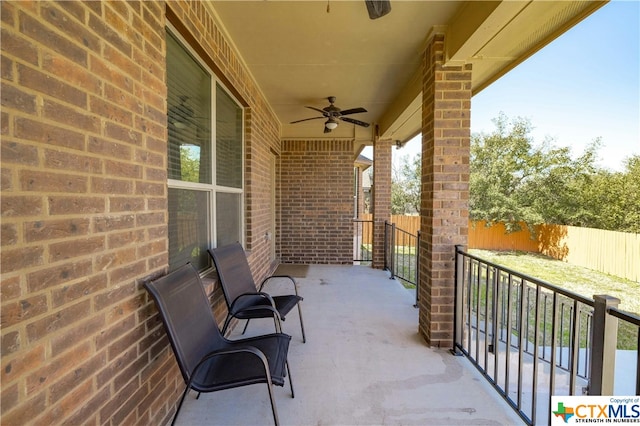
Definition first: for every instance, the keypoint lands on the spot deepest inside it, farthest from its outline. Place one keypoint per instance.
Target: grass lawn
(583, 281)
(586, 282)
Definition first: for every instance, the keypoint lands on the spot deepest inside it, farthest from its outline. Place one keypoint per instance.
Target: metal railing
(401, 257)
(362, 240)
(401, 254)
(531, 339)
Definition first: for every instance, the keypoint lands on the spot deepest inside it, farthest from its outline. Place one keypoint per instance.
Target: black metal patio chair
(246, 301)
(207, 360)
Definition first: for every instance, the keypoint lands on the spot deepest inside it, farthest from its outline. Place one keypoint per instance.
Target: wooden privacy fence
(611, 252)
(410, 224)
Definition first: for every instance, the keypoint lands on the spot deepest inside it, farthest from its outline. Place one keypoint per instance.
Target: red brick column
(381, 197)
(444, 212)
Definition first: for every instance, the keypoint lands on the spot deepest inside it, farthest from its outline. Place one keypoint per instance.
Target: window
(205, 160)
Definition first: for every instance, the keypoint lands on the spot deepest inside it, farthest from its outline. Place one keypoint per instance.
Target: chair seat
(247, 310)
(241, 369)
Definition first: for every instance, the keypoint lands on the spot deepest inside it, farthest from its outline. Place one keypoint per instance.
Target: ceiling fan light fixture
(180, 124)
(331, 124)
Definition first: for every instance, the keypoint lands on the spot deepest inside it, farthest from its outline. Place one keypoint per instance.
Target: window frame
(212, 189)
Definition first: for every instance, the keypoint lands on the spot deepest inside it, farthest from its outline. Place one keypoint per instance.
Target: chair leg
(293, 395)
(245, 326)
(304, 339)
(273, 404)
(184, 394)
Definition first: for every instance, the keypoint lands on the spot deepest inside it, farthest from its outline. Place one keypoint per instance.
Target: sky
(583, 85)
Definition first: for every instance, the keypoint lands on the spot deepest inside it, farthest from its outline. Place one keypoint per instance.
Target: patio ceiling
(301, 52)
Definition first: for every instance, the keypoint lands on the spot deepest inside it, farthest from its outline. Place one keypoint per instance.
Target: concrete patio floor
(363, 364)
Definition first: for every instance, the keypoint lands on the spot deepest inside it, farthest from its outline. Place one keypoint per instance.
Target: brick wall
(380, 197)
(444, 206)
(317, 201)
(261, 145)
(83, 126)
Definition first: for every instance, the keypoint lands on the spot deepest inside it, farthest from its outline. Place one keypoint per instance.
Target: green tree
(631, 196)
(190, 163)
(558, 191)
(514, 180)
(614, 198)
(405, 186)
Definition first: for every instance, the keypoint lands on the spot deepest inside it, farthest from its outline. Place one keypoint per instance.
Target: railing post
(603, 350)
(417, 269)
(386, 244)
(393, 251)
(458, 305)
(494, 311)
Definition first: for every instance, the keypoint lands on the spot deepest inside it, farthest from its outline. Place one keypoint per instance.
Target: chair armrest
(222, 352)
(295, 284)
(269, 305)
(268, 299)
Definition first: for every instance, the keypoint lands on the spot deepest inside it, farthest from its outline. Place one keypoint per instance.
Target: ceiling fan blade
(327, 130)
(378, 8)
(306, 119)
(351, 120)
(352, 111)
(323, 112)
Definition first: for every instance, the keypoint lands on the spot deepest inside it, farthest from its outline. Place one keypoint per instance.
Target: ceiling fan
(332, 113)
(376, 8)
